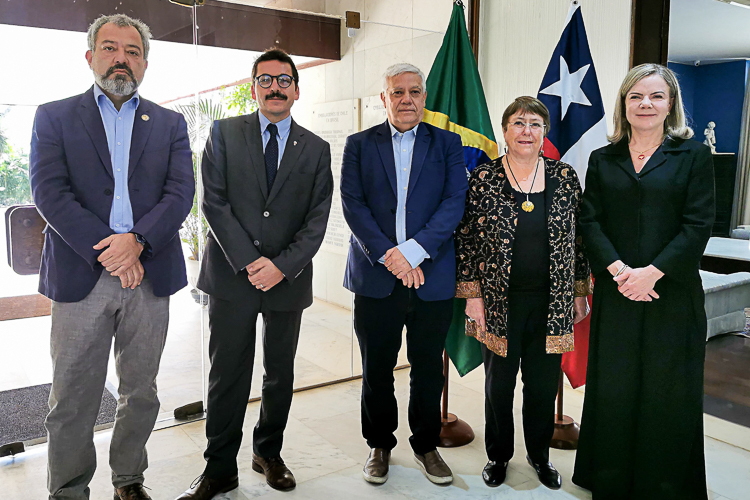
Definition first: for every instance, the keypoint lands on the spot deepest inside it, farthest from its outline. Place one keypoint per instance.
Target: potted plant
(199, 118)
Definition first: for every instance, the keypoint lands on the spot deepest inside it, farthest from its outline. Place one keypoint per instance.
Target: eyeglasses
(521, 126)
(266, 80)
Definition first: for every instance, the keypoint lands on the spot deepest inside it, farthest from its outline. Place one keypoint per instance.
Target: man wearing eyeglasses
(267, 188)
(403, 187)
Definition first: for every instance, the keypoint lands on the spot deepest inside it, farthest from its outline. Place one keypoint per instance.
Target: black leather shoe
(205, 488)
(278, 475)
(494, 473)
(548, 475)
(131, 492)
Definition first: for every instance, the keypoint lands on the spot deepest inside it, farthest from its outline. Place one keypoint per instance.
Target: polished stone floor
(325, 450)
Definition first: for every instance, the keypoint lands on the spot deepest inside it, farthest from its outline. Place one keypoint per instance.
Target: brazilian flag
(455, 102)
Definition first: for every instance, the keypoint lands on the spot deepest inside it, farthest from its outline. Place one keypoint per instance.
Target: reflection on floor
(327, 351)
(325, 450)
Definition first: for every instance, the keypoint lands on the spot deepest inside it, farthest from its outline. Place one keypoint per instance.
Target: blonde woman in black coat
(647, 215)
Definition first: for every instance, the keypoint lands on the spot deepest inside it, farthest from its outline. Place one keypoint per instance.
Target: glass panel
(24, 343)
(326, 108)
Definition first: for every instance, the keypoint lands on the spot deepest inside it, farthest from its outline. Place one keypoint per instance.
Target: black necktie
(272, 155)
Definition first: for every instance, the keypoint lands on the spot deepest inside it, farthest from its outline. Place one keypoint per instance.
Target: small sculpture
(710, 137)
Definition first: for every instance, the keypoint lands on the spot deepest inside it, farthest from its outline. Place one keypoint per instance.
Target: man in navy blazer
(112, 175)
(403, 186)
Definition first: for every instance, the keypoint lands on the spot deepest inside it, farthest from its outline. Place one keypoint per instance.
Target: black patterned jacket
(484, 246)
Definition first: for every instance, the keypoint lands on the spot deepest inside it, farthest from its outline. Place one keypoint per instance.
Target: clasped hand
(638, 284)
(263, 274)
(397, 264)
(120, 258)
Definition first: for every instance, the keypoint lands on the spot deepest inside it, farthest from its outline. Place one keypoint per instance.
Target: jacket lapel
(659, 157)
(295, 143)
(141, 131)
(255, 147)
(421, 146)
(89, 113)
(385, 147)
(622, 158)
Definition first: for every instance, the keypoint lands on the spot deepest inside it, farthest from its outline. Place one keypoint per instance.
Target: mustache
(276, 94)
(120, 66)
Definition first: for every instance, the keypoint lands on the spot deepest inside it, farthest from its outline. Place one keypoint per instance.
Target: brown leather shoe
(278, 475)
(131, 492)
(434, 467)
(205, 488)
(376, 467)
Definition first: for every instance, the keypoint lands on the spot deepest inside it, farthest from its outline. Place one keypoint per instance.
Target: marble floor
(325, 451)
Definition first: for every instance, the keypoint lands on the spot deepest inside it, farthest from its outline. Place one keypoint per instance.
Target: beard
(120, 85)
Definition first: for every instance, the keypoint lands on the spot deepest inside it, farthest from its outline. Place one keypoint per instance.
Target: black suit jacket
(246, 222)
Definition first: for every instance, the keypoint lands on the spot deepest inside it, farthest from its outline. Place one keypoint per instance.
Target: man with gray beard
(112, 175)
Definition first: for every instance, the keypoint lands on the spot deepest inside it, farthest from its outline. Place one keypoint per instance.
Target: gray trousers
(81, 339)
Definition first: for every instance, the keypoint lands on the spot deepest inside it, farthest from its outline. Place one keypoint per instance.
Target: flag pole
(454, 432)
(567, 430)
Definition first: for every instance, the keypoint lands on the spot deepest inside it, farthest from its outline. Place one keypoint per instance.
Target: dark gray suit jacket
(246, 222)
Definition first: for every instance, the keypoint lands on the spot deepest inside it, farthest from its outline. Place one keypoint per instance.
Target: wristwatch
(140, 239)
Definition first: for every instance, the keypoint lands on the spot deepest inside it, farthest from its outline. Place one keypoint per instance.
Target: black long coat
(642, 425)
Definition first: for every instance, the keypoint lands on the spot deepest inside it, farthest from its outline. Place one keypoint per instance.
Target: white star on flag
(568, 88)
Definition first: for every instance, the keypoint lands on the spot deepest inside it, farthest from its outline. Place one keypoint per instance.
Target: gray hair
(400, 68)
(676, 123)
(122, 21)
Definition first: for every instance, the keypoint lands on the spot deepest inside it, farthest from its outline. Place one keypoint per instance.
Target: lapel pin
(145, 118)
(295, 143)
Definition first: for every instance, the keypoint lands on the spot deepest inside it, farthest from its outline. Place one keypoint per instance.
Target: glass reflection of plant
(14, 173)
(199, 118)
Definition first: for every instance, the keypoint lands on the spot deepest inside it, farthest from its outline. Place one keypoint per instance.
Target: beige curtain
(741, 205)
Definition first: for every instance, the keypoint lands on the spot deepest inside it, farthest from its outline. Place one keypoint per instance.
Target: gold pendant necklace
(526, 206)
(641, 155)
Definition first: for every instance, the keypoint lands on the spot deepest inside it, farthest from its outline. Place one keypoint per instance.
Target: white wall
(517, 38)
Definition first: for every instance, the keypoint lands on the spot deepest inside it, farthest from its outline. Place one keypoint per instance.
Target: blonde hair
(675, 124)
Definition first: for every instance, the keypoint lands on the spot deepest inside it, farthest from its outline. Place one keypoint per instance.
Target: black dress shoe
(494, 473)
(278, 475)
(205, 488)
(131, 492)
(548, 475)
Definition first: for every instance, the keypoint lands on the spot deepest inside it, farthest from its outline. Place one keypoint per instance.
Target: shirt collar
(394, 131)
(99, 94)
(283, 126)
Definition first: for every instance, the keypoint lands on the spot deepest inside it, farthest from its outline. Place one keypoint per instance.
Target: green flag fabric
(455, 102)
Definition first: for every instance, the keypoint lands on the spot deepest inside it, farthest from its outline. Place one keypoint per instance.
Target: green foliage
(14, 177)
(240, 99)
(199, 119)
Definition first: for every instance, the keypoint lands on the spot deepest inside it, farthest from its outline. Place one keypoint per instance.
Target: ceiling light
(739, 3)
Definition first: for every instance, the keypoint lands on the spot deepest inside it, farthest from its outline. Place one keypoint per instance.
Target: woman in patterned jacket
(523, 273)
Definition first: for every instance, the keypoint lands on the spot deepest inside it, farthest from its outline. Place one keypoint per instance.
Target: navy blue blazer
(72, 184)
(434, 207)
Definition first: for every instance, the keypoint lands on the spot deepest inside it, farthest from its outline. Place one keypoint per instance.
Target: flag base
(455, 432)
(566, 434)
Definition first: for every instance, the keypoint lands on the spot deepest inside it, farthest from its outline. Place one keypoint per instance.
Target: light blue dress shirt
(403, 150)
(119, 128)
(283, 133)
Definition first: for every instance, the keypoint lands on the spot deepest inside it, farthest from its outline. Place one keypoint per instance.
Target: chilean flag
(570, 91)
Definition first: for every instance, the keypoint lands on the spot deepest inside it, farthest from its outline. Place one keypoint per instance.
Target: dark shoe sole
(257, 468)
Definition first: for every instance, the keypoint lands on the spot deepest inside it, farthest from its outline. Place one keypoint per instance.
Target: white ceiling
(708, 31)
